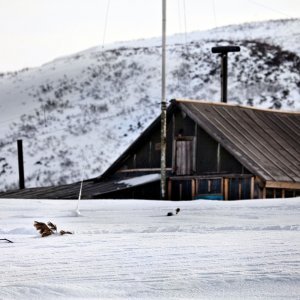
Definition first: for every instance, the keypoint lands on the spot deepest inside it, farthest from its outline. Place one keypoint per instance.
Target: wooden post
(226, 182)
(21, 164)
(193, 189)
(252, 188)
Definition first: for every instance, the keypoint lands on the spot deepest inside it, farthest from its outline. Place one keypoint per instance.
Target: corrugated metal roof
(267, 142)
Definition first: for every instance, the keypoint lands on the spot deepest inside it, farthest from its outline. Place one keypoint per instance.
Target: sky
(34, 32)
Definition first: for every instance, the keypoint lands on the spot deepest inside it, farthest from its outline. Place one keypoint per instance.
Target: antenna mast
(163, 106)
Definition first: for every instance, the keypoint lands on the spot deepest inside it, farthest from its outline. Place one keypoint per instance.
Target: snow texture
(78, 113)
(141, 179)
(130, 249)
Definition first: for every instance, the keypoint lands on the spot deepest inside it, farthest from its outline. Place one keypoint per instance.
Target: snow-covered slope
(78, 113)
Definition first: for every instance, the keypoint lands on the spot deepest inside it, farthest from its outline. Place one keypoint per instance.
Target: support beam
(283, 185)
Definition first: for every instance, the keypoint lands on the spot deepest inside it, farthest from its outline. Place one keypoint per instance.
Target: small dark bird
(52, 226)
(169, 214)
(62, 232)
(42, 228)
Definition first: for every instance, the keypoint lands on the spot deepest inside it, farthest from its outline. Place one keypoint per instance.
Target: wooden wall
(209, 156)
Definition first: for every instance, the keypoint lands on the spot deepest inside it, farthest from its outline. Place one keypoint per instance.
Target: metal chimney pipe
(224, 77)
(223, 51)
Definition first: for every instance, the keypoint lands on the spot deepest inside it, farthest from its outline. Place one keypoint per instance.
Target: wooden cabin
(214, 151)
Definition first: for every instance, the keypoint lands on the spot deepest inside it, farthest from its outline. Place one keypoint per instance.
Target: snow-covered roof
(141, 179)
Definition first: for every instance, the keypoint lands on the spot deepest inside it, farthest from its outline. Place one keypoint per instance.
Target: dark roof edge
(202, 101)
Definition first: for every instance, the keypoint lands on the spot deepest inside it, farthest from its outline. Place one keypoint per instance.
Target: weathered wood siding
(210, 157)
(147, 155)
(188, 143)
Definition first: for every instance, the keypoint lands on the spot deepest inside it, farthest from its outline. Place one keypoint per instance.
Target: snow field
(130, 249)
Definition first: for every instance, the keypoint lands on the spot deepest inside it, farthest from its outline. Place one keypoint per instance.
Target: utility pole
(163, 106)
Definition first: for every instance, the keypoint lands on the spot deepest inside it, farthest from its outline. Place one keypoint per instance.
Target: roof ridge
(202, 101)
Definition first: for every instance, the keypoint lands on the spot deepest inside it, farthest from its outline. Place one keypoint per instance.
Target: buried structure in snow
(214, 151)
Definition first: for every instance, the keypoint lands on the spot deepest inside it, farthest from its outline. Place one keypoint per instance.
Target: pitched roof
(267, 142)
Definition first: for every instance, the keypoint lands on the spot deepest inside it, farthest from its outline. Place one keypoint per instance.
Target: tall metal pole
(163, 106)
(21, 164)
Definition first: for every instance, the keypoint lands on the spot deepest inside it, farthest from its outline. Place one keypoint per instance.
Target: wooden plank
(252, 188)
(209, 185)
(226, 187)
(142, 170)
(283, 185)
(193, 188)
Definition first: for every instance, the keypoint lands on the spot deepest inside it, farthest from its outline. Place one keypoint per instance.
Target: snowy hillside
(78, 113)
(132, 250)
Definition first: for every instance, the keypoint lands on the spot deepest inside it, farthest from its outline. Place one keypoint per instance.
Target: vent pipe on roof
(223, 51)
